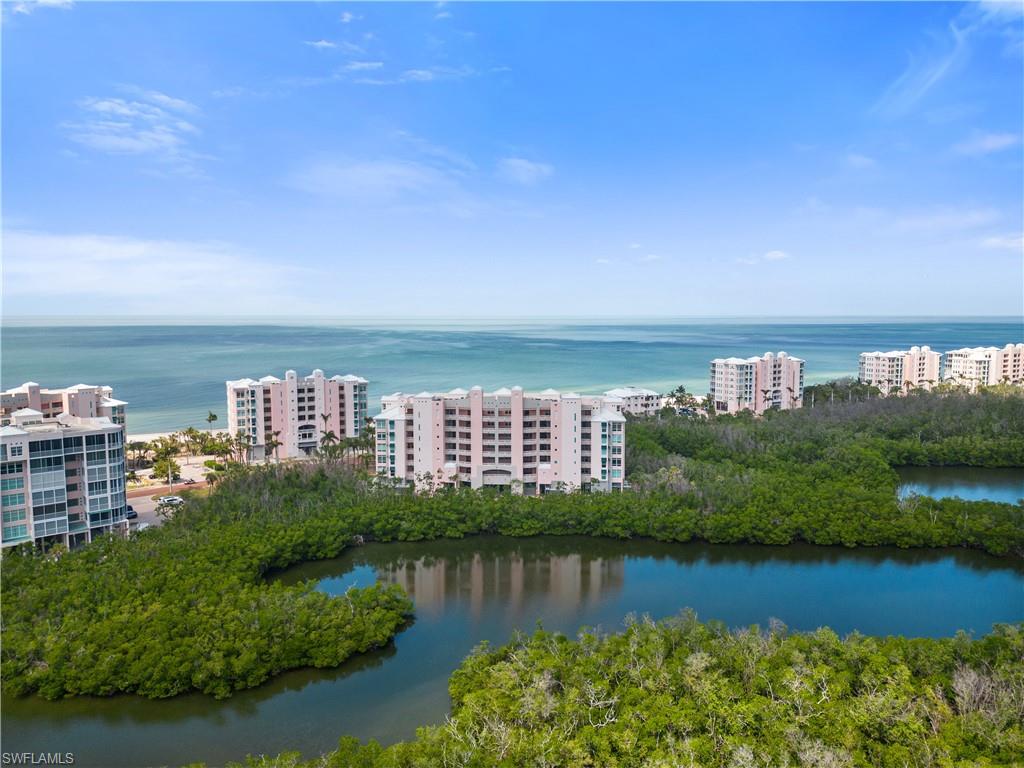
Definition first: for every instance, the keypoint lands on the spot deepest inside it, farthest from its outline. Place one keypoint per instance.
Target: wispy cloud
(518, 170)
(858, 161)
(153, 276)
(945, 219)
(25, 7)
(986, 143)
(151, 123)
(363, 66)
(759, 258)
(347, 17)
(1004, 242)
(320, 44)
(948, 52)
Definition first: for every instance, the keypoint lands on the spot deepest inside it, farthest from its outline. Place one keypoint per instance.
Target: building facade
(636, 400)
(900, 370)
(757, 384)
(83, 400)
(510, 439)
(985, 366)
(62, 479)
(296, 412)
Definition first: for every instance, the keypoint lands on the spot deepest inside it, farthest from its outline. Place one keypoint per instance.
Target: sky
(519, 159)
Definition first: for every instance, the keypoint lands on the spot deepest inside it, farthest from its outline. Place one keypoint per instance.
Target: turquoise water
(172, 374)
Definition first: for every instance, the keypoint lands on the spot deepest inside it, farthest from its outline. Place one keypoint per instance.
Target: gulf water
(173, 372)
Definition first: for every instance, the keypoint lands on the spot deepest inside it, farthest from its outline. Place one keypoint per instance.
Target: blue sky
(513, 159)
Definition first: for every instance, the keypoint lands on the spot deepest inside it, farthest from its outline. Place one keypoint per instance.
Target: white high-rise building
(508, 438)
(757, 384)
(296, 412)
(900, 370)
(636, 400)
(62, 479)
(974, 366)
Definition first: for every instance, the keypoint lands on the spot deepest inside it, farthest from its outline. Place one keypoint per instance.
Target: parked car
(130, 512)
(170, 501)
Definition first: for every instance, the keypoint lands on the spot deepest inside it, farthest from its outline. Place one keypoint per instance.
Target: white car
(171, 501)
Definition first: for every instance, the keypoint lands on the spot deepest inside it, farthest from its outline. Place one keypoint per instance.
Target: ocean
(173, 372)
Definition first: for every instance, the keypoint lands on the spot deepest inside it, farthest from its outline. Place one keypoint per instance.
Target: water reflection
(567, 580)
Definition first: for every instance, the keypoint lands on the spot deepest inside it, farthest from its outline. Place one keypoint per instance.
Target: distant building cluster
(757, 384)
(899, 371)
(533, 442)
(62, 470)
(294, 412)
(83, 400)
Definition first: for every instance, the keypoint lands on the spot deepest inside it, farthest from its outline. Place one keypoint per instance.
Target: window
(12, 483)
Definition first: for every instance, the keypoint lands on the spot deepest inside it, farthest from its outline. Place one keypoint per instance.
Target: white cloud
(363, 66)
(946, 219)
(372, 180)
(518, 170)
(26, 7)
(152, 124)
(347, 17)
(152, 276)
(950, 51)
(418, 75)
(634, 246)
(1004, 242)
(768, 256)
(859, 161)
(442, 15)
(320, 44)
(602, 261)
(649, 258)
(986, 143)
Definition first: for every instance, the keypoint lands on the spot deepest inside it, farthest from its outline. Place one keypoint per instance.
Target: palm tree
(241, 444)
(271, 443)
(210, 418)
(329, 445)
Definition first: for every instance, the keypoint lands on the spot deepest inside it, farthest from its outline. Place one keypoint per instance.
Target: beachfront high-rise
(510, 439)
(62, 479)
(636, 400)
(757, 383)
(900, 370)
(974, 366)
(297, 412)
(83, 400)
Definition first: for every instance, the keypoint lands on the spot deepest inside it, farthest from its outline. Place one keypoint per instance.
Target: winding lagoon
(484, 588)
(1004, 484)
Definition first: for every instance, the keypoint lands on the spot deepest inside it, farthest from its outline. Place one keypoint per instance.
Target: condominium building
(974, 366)
(84, 400)
(61, 479)
(900, 370)
(508, 439)
(636, 400)
(757, 383)
(296, 412)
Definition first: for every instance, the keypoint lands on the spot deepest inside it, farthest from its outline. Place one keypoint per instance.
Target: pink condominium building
(82, 400)
(900, 370)
(533, 442)
(974, 366)
(757, 383)
(297, 412)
